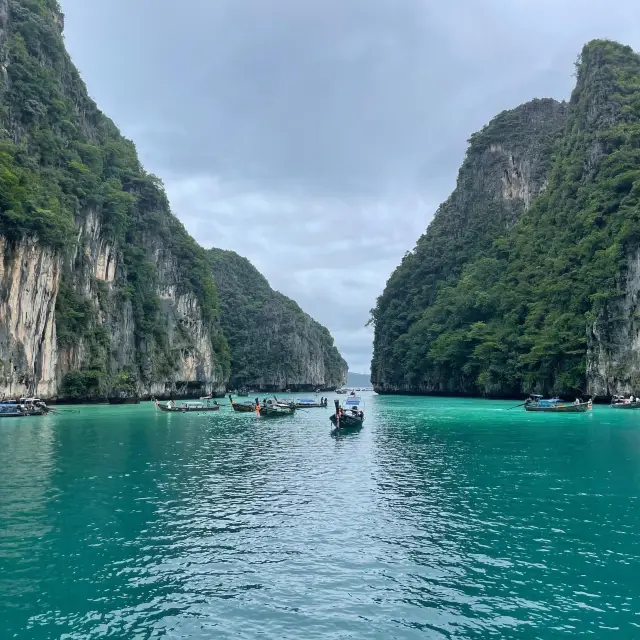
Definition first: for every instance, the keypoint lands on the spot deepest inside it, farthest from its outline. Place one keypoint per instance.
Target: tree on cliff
(490, 305)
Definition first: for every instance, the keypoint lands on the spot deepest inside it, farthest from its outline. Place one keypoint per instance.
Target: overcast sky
(317, 137)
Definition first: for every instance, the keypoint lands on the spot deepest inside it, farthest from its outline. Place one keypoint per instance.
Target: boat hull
(279, 411)
(20, 414)
(163, 407)
(565, 408)
(628, 405)
(346, 422)
(243, 408)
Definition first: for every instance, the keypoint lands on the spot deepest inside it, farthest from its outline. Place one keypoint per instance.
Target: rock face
(274, 344)
(97, 278)
(528, 278)
(102, 291)
(505, 167)
(29, 280)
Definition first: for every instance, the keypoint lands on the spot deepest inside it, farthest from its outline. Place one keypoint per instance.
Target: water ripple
(441, 519)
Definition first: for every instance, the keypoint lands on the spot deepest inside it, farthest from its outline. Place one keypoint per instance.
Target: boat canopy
(551, 402)
(353, 401)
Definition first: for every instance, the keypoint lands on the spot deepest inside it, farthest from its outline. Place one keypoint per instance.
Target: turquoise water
(442, 518)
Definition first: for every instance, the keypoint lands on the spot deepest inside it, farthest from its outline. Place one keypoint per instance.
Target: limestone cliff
(97, 277)
(274, 344)
(102, 291)
(543, 297)
(504, 169)
(29, 281)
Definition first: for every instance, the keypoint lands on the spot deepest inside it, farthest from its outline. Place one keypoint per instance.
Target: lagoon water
(442, 518)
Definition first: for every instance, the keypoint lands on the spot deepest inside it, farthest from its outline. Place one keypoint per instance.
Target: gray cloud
(317, 138)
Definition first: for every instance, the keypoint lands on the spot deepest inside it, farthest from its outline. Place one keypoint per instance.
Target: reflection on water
(440, 519)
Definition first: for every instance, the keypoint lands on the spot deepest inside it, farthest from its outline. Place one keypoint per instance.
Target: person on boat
(577, 401)
(171, 404)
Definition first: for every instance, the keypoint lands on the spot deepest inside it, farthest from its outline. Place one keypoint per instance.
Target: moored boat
(539, 404)
(271, 408)
(35, 403)
(19, 409)
(349, 417)
(242, 407)
(189, 406)
(342, 392)
(620, 402)
(307, 403)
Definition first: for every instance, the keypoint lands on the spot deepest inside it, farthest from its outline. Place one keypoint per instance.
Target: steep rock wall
(274, 344)
(613, 341)
(505, 168)
(545, 301)
(29, 280)
(99, 281)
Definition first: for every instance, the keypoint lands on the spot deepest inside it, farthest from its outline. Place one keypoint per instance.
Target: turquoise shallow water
(442, 518)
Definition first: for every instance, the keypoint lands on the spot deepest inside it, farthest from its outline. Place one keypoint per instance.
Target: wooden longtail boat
(242, 407)
(272, 408)
(620, 402)
(311, 404)
(189, 406)
(349, 417)
(13, 409)
(554, 405)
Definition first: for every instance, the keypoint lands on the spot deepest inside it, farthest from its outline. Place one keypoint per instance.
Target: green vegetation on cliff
(136, 308)
(274, 344)
(498, 305)
(62, 160)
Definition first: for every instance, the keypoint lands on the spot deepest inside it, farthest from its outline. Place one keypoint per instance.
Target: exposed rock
(274, 344)
(528, 279)
(29, 279)
(100, 285)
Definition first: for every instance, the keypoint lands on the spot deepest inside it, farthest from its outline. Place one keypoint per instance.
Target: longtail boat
(271, 408)
(555, 405)
(199, 406)
(306, 403)
(348, 417)
(20, 409)
(242, 407)
(620, 402)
